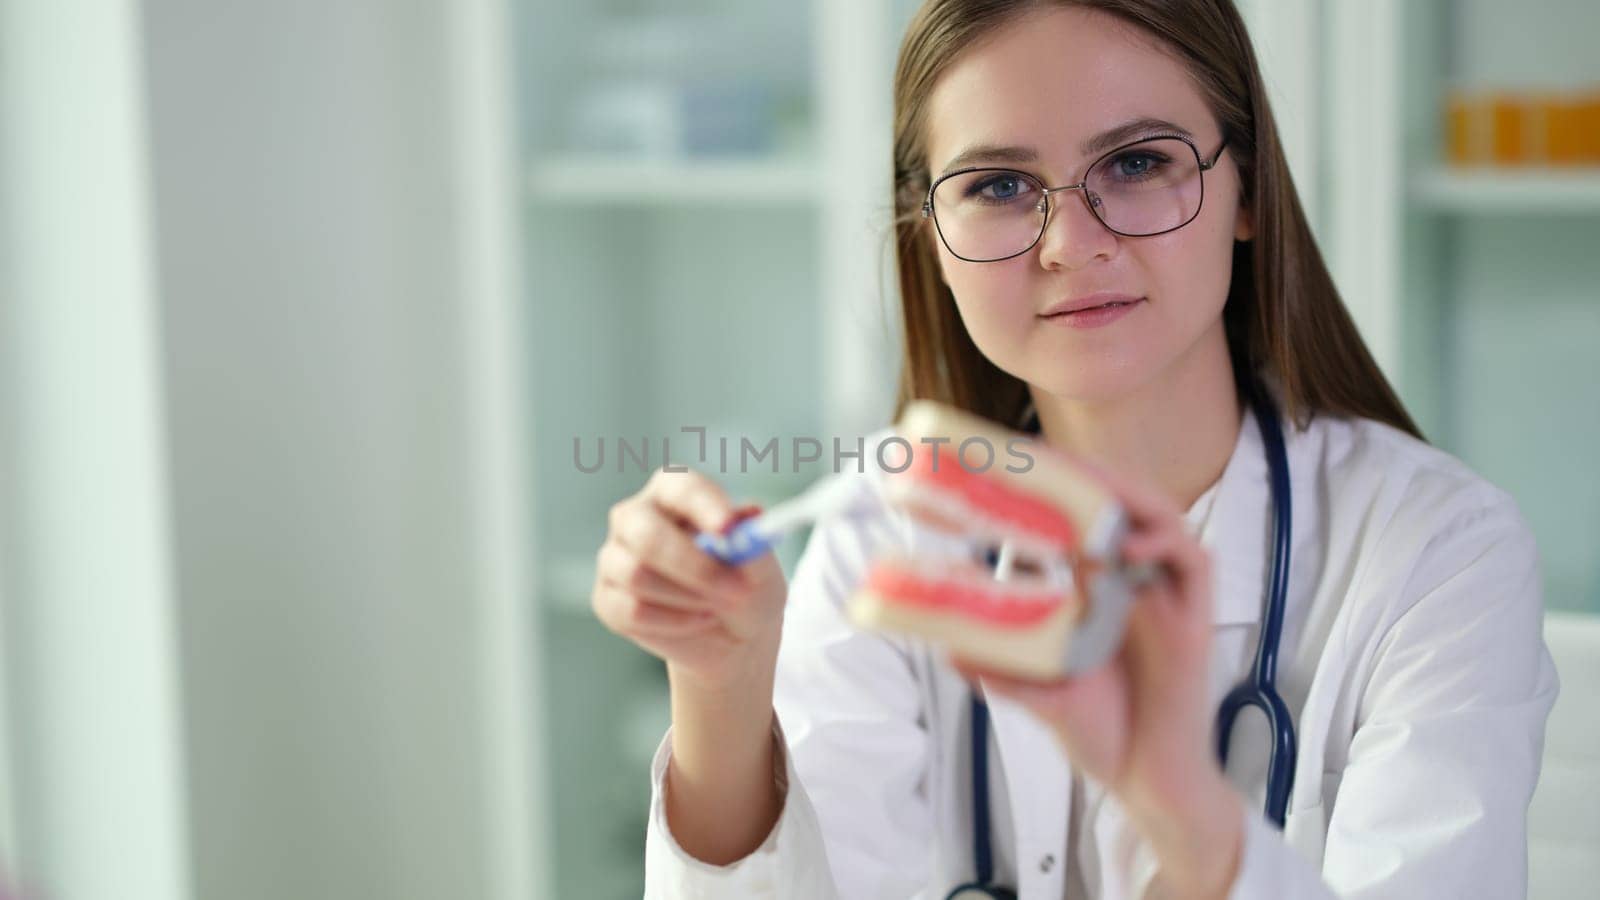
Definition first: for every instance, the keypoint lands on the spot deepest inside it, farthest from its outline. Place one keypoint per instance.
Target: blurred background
(303, 306)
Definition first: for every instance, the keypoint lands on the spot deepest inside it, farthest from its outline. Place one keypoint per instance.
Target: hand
(714, 624)
(718, 628)
(1141, 724)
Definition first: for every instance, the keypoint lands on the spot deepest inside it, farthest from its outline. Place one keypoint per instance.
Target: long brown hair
(1283, 315)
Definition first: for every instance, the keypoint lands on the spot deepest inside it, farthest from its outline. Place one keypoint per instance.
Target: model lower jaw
(1034, 651)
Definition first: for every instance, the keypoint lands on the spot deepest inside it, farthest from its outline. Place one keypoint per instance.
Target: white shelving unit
(747, 294)
(633, 183)
(1477, 288)
(740, 291)
(1510, 192)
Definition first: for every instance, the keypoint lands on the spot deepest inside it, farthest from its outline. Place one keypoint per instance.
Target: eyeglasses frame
(1044, 198)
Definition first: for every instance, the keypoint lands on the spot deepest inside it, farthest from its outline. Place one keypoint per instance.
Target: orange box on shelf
(1573, 130)
(1462, 141)
(1512, 130)
(1515, 129)
(1588, 125)
(1561, 132)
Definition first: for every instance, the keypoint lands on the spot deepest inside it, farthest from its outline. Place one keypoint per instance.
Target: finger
(1177, 551)
(1072, 707)
(976, 673)
(1157, 524)
(971, 673)
(1044, 700)
(620, 566)
(1179, 554)
(667, 547)
(631, 616)
(690, 497)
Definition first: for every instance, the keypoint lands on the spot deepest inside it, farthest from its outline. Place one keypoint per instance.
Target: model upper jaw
(1055, 500)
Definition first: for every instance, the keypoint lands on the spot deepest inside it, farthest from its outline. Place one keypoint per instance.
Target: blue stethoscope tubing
(1259, 689)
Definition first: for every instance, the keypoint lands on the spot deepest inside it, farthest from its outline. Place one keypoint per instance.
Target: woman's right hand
(717, 627)
(712, 623)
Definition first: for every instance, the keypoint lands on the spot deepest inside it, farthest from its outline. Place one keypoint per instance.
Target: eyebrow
(1127, 132)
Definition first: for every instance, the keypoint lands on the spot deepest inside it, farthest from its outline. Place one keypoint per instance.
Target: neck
(1177, 431)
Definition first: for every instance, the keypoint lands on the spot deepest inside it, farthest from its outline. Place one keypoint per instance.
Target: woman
(1127, 317)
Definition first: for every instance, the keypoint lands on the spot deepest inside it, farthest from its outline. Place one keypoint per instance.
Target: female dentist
(1098, 239)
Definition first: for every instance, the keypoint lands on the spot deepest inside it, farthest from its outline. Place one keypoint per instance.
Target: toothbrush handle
(741, 544)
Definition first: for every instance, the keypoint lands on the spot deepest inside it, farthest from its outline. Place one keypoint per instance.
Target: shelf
(1494, 191)
(601, 181)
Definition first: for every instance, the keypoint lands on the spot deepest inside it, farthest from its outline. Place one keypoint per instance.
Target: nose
(1073, 237)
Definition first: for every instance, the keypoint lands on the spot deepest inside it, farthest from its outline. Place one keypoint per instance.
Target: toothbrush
(749, 538)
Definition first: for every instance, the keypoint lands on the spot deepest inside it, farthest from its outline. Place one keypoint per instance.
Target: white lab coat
(1412, 660)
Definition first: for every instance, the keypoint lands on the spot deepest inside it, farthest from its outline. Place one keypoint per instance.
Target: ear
(1244, 225)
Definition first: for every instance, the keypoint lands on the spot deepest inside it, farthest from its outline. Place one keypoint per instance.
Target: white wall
(93, 777)
(316, 285)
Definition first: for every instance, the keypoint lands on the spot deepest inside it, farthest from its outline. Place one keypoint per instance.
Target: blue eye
(1000, 188)
(1005, 188)
(1137, 165)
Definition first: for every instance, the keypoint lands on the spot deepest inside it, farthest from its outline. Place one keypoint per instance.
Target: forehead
(1052, 79)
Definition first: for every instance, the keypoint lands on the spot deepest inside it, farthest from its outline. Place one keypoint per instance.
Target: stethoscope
(1258, 690)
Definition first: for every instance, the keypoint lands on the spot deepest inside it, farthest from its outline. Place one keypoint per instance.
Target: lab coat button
(1047, 863)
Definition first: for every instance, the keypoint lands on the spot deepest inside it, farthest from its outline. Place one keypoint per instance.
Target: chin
(1087, 381)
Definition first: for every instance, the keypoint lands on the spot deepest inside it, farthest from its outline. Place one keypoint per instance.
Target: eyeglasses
(1141, 189)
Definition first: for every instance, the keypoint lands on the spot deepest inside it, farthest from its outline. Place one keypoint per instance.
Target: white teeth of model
(1024, 542)
(963, 572)
(1043, 586)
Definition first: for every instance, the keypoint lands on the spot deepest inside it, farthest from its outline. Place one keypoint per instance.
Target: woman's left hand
(1141, 724)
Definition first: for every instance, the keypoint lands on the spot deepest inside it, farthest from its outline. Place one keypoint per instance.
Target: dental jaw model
(1058, 599)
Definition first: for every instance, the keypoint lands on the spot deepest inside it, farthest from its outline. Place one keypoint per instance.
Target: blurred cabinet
(1479, 288)
(1476, 287)
(707, 235)
(708, 244)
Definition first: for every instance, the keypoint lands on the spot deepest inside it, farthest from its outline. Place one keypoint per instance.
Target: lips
(1091, 301)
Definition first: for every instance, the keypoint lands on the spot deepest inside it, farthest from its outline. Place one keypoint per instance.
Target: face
(1045, 85)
